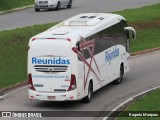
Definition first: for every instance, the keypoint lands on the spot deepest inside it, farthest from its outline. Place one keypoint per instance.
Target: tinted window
(107, 38)
(104, 39)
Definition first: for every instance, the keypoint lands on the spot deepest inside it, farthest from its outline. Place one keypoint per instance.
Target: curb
(2, 91)
(25, 82)
(16, 9)
(145, 51)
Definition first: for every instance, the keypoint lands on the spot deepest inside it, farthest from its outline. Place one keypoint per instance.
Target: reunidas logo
(112, 54)
(50, 61)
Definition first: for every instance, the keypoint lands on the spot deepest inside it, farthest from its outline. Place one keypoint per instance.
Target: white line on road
(130, 99)
(13, 92)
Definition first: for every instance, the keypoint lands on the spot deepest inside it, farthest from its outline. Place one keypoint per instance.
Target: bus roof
(81, 25)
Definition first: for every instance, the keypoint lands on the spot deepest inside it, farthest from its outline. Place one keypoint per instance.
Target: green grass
(13, 53)
(146, 39)
(149, 102)
(14, 44)
(10, 4)
(144, 14)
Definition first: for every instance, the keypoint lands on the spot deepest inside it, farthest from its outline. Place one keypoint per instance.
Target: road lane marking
(130, 99)
(13, 92)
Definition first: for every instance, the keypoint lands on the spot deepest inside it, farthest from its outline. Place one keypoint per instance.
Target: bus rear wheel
(87, 99)
(37, 10)
(121, 73)
(58, 6)
(69, 4)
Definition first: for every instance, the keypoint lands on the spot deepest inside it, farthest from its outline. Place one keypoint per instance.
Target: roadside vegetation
(13, 53)
(14, 43)
(149, 102)
(11, 4)
(146, 39)
(146, 21)
(141, 15)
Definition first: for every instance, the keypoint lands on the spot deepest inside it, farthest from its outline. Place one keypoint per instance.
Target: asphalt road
(144, 74)
(29, 17)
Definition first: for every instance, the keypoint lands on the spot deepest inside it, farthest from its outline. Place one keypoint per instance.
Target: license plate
(51, 97)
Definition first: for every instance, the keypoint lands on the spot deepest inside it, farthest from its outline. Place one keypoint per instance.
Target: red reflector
(30, 83)
(71, 97)
(69, 39)
(33, 39)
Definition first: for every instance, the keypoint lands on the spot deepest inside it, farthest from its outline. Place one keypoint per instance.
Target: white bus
(78, 56)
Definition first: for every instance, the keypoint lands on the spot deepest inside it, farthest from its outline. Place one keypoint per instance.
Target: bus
(73, 59)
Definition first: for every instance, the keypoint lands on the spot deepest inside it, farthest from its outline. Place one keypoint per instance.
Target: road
(144, 74)
(28, 17)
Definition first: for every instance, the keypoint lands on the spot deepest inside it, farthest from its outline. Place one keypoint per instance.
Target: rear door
(50, 65)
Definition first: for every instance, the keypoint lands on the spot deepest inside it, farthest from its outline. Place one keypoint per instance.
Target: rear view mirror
(132, 30)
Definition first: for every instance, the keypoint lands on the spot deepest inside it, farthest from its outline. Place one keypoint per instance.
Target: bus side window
(119, 35)
(104, 40)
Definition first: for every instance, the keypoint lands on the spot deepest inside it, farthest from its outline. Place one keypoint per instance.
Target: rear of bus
(50, 75)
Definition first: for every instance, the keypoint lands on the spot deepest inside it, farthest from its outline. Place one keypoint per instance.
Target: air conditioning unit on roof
(84, 21)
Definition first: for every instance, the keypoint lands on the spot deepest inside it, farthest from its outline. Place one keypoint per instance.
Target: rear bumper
(67, 96)
(47, 6)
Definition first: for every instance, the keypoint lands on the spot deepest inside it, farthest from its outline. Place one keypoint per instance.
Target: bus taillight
(72, 83)
(30, 83)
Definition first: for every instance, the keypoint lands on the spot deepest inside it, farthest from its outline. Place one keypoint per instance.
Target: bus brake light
(72, 83)
(30, 83)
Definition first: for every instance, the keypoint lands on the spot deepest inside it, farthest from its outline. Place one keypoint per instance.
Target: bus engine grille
(50, 68)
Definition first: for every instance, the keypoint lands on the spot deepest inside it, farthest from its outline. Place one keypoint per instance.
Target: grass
(146, 39)
(13, 53)
(146, 21)
(14, 43)
(149, 102)
(11, 4)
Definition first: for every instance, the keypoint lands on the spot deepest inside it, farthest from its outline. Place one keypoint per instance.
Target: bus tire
(87, 99)
(58, 6)
(121, 73)
(37, 10)
(69, 4)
